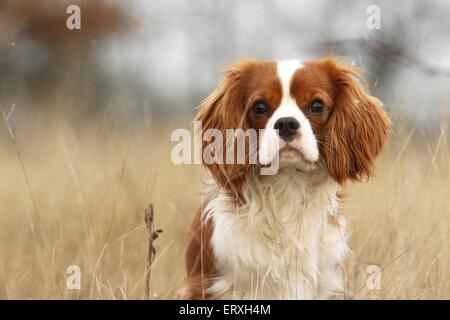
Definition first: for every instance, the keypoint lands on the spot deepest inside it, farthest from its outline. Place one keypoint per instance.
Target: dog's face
(314, 114)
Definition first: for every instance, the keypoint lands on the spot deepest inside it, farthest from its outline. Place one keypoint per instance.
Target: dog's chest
(276, 245)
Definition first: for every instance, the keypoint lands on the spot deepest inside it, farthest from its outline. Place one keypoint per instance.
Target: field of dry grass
(77, 197)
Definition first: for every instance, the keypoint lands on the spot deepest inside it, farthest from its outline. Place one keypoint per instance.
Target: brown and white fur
(283, 236)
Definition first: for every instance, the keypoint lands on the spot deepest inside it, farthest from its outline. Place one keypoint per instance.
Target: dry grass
(90, 189)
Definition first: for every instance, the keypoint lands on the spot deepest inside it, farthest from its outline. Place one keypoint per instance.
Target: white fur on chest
(279, 245)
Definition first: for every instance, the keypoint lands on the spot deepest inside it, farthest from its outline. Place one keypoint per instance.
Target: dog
(282, 235)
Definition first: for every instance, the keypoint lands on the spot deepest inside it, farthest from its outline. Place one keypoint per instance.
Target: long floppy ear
(357, 128)
(224, 109)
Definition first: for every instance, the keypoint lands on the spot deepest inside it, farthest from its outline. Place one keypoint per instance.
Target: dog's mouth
(291, 156)
(289, 152)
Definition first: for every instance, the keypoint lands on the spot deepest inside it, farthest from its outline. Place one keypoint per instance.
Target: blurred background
(167, 55)
(87, 115)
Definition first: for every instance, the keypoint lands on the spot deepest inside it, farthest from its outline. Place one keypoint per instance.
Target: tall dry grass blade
(390, 263)
(80, 197)
(117, 192)
(436, 152)
(25, 173)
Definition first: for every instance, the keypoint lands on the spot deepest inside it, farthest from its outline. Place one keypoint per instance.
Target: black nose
(287, 127)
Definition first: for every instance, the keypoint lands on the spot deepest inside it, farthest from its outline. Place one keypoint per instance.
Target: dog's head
(307, 115)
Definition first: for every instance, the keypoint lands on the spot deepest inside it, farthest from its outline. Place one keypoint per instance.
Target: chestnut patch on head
(354, 128)
(263, 91)
(314, 94)
(247, 96)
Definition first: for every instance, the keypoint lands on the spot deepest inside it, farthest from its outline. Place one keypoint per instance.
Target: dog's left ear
(357, 128)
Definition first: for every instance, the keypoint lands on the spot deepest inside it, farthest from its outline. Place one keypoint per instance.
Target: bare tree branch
(383, 50)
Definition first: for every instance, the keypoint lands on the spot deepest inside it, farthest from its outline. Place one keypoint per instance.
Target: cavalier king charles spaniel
(282, 235)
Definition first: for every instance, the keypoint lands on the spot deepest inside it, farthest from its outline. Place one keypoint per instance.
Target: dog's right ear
(224, 109)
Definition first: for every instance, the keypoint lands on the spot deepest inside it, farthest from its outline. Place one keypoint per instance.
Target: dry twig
(153, 235)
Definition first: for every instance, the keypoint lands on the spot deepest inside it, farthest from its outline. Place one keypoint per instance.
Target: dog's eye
(260, 108)
(316, 107)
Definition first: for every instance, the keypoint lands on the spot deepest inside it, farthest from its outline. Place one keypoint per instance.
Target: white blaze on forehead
(286, 70)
